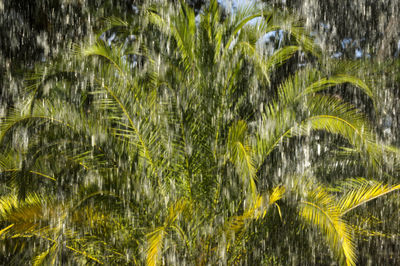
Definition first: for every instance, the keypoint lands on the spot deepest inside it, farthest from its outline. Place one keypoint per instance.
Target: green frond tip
(242, 16)
(325, 83)
(115, 22)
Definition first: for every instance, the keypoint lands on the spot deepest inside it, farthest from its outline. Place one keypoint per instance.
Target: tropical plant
(177, 149)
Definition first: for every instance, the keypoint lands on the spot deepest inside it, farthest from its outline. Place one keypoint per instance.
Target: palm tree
(171, 148)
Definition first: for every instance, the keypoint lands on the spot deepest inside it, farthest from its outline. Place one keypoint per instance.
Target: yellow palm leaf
(321, 210)
(360, 191)
(155, 239)
(155, 242)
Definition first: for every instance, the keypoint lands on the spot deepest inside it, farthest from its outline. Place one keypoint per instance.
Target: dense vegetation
(171, 138)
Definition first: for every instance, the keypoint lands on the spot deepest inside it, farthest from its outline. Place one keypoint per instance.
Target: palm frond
(41, 258)
(325, 83)
(320, 209)
(357, 192)
(333, 116)
(18, 118)
(257, 209)
(156, 237)
(132, 127)
(212, 32)
(23, 215)
(277, 194)
(10, 160)
(242, 16)
(112, 22)
(293, 26)
(183, 30)
(155, 240)
(32, 218)
(114, 55)
(324, 113)
(241, 155)
(248, 49)
(280, 56)
(310, 81)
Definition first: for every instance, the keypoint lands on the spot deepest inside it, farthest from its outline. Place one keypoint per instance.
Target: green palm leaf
(241, 155)
(242, 16)
(183, 29)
